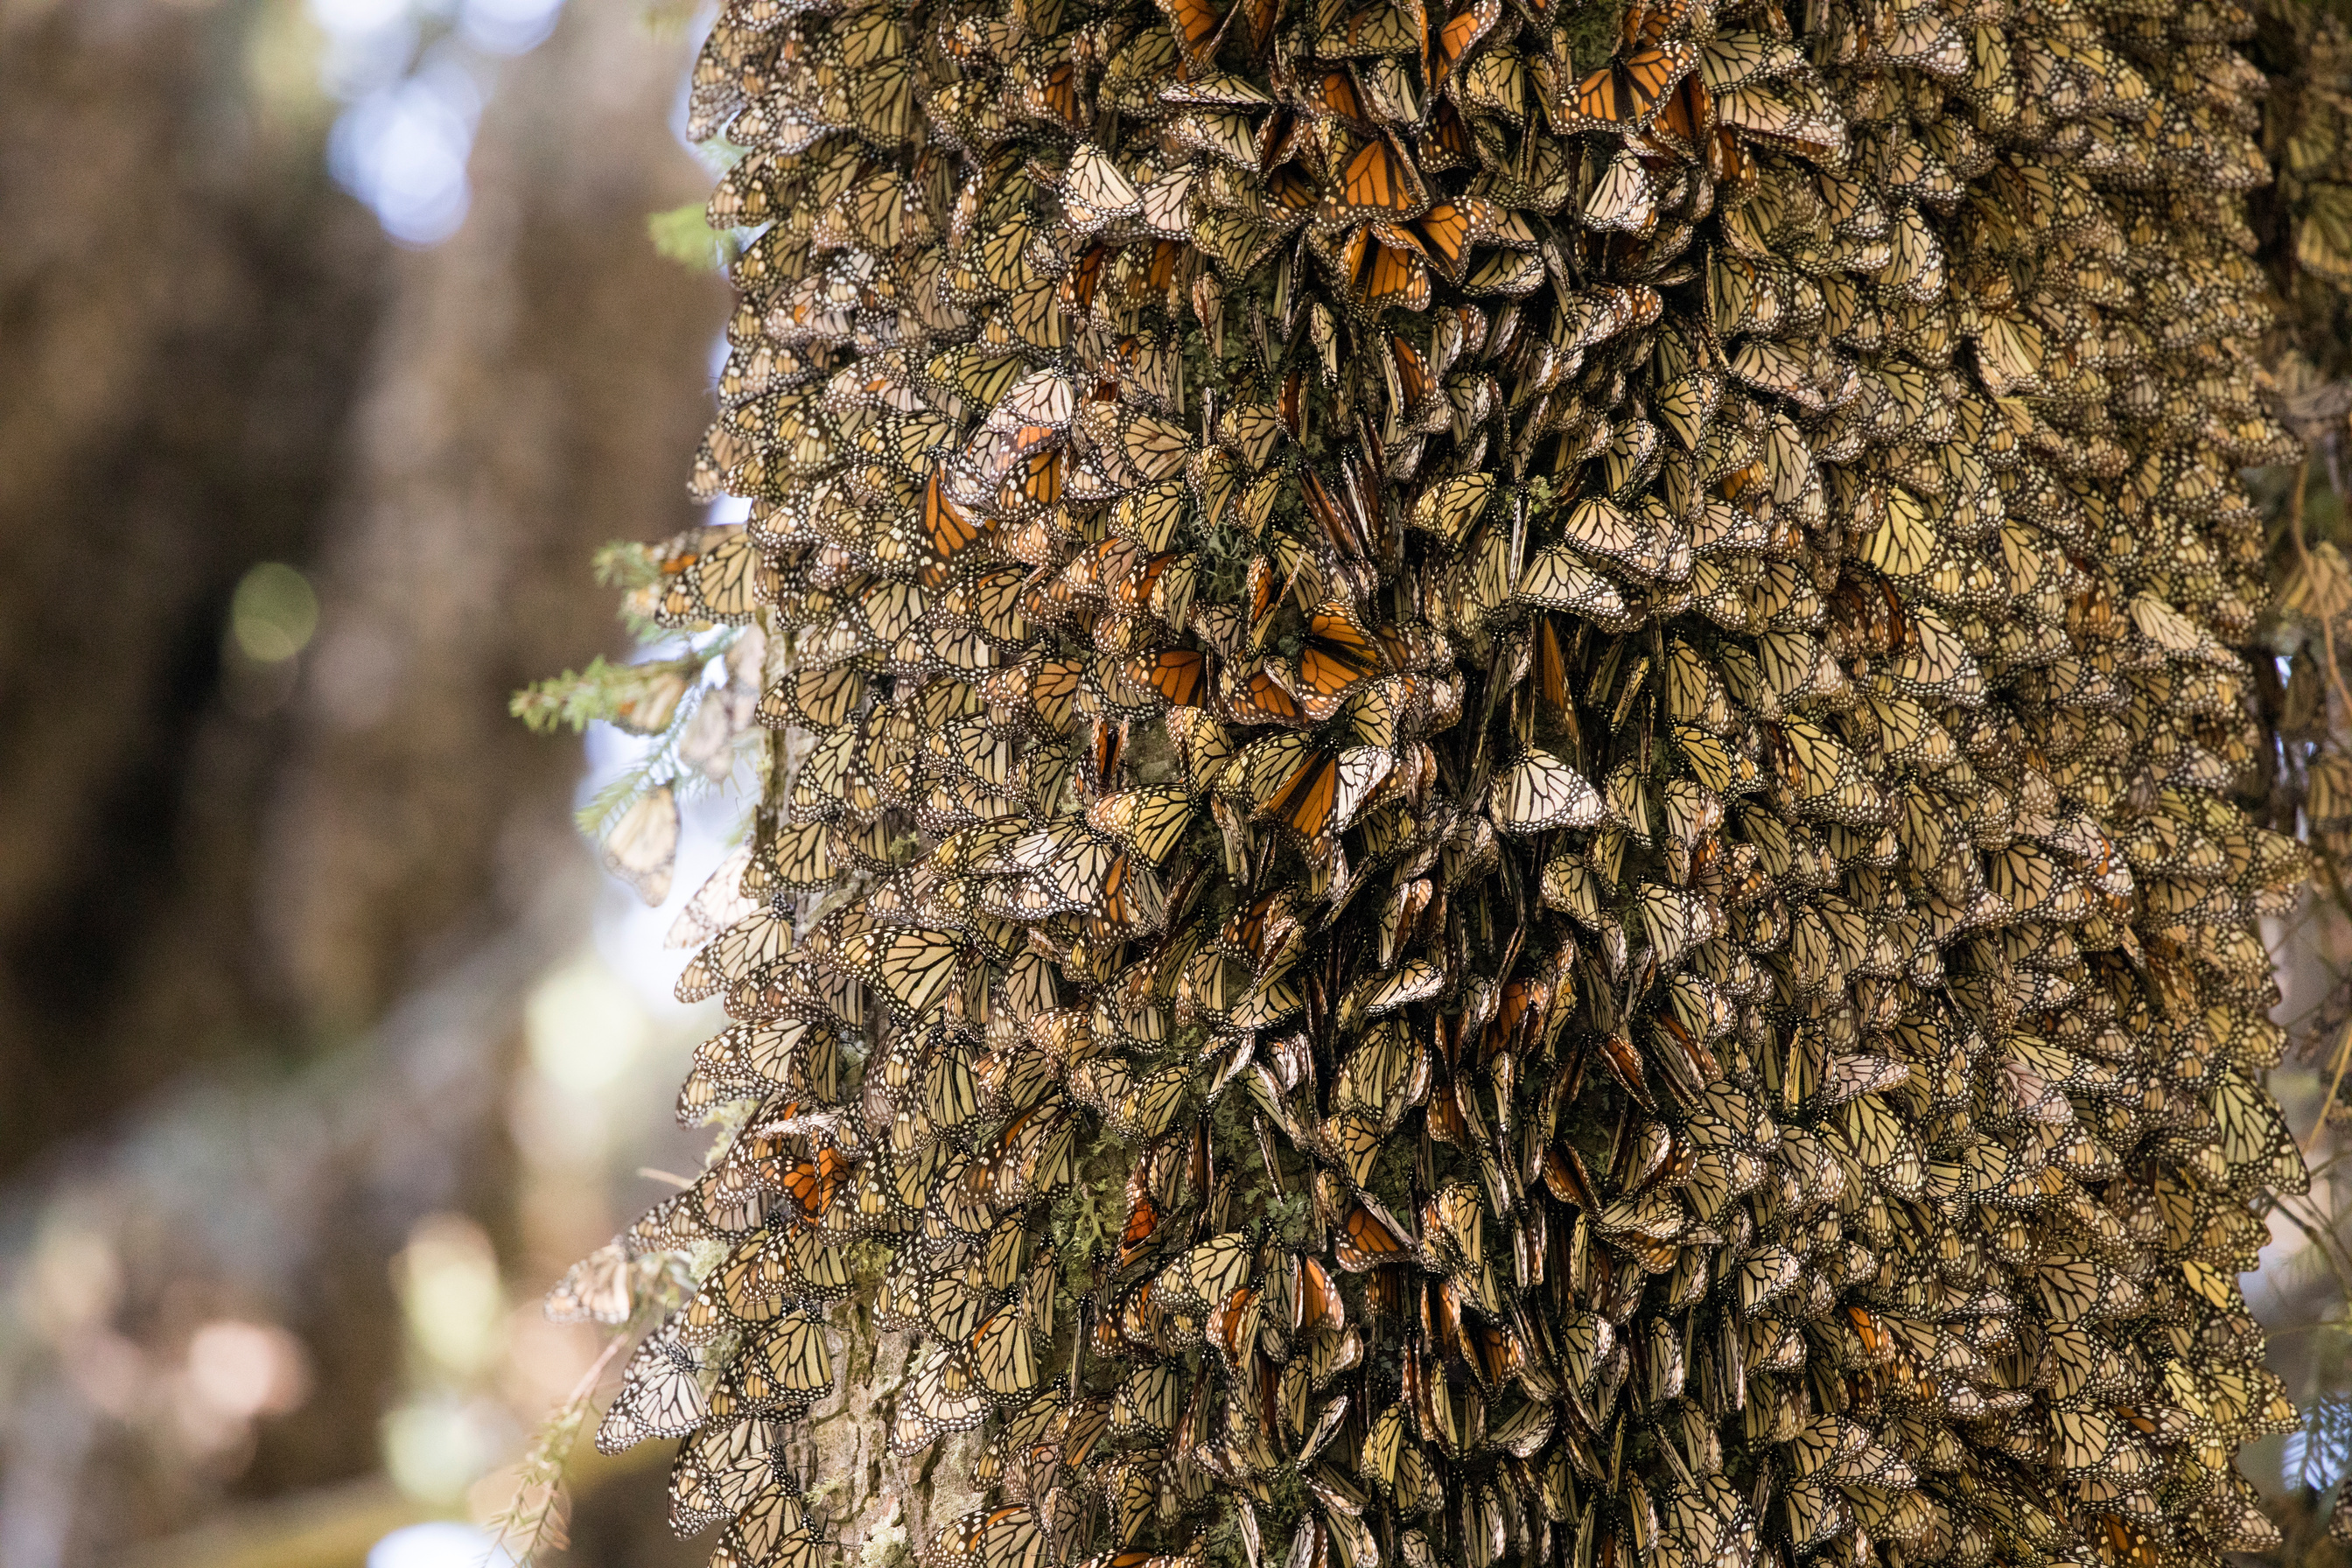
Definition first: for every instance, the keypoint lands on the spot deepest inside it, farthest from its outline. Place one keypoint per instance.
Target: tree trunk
(1487, 718)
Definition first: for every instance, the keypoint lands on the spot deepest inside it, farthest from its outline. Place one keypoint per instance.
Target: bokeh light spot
(274, 613)
(440, 1544)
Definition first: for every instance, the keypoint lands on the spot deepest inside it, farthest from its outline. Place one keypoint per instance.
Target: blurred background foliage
(332, 347)
(335, 341)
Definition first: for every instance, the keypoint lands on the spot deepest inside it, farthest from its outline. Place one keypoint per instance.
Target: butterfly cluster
(2308, 117)
(1497, 822)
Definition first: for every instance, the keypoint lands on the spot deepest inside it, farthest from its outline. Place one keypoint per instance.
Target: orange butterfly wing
(1327, 512)
(1370, 1237)
(1597, 97)
(1337, 654)
(951, 529)
(1059, 92)
(1465, 28)
(1689, 114)
(1079, 288)
(1445, 232)
(1227, 1320)
(1165, 254)
(1551, 665)
(1336, 94)
(1412, 371)
(1109, 742)
(1650, 74)
(1260, 17)
(1266, 702)
(1197, 23)
(1448, 134)
(1292, 192)
(1142, 1220)
(1179, 675)
(1320, 1302)
(1304, 803)
(1294, 389)
(1378, 179)
(1395, 276)
(811, 1183)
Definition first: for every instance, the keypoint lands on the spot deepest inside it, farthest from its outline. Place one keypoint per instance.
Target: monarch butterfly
(911, 967)
(1146, 1404)
(596, 1288)
(1625, 198)
(1375, 29)
(1626, 93)
(1198, 26)
(990, 1538)
(755, 1539)
(1094, 192)
(1376, 181)
(1452, 43)
(2254, 1135)
(1369, 1239)
(1540, 793)
(724, 1471)
(642, 847)
(1789, 110)
(1335, 653)
(1384, 275)
(662, 1394)
(811, 1183)
(1354, 1139)
(1414, 980)
(942, 1396)
(1555, 579)
(760, 938)
(1155, 448)
(1151, 820)
(1312, 792)
(1004, 1353)
(1136, 1237)
(1733, 59)
(1331, 94)
(794, 1351)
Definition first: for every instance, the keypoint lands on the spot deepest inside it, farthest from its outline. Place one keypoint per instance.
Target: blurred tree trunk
(187, 309)
(539, 387)
(184, 303)
(539, 383)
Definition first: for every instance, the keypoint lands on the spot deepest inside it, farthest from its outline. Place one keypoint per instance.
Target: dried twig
(535, 1519)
